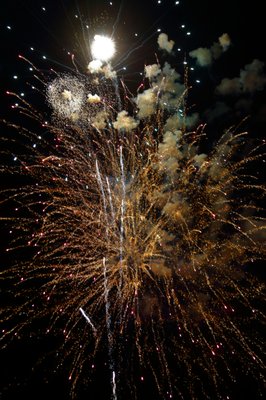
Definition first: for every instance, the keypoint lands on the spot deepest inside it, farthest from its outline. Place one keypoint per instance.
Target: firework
(138, 238)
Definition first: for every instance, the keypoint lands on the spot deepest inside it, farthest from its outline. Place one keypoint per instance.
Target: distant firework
(138, 237)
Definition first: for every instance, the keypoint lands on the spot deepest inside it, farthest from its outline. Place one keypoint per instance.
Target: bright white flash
(102, 48)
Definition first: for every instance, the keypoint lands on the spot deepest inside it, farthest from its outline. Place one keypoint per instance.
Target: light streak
(88, 319)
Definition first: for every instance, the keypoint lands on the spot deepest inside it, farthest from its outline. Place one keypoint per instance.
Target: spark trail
(109, 331)
(123, 198)
(88, 320)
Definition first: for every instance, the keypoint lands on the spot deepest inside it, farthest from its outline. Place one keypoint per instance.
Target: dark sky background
(55, 27)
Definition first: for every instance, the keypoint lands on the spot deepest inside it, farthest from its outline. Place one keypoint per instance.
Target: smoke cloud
(97, 67)
(151, 71)
(99, 120)
(218, 110)
(164, 43)
(93, 98)
(205, 56)
(146, 103)
(225, 41)
(251, 79)
(125, 122)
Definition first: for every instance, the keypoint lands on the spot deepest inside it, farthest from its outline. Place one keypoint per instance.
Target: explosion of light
(102, 48)
(127, 219)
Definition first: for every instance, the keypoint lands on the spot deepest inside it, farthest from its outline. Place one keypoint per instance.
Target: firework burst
(138, 239)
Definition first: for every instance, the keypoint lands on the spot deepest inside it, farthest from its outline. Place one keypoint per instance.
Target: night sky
(47, 33)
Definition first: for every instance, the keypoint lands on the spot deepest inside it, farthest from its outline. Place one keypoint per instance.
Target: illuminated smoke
(95, 66)
(165, 90)
(251, 79)
(225, 41)
(93, 98)
(146, 103)
(125, 122)
(99, 120)
(229, 86)
(218, 110)
(202, 55)
(151, 71)
(164, 43)
(205, 56)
